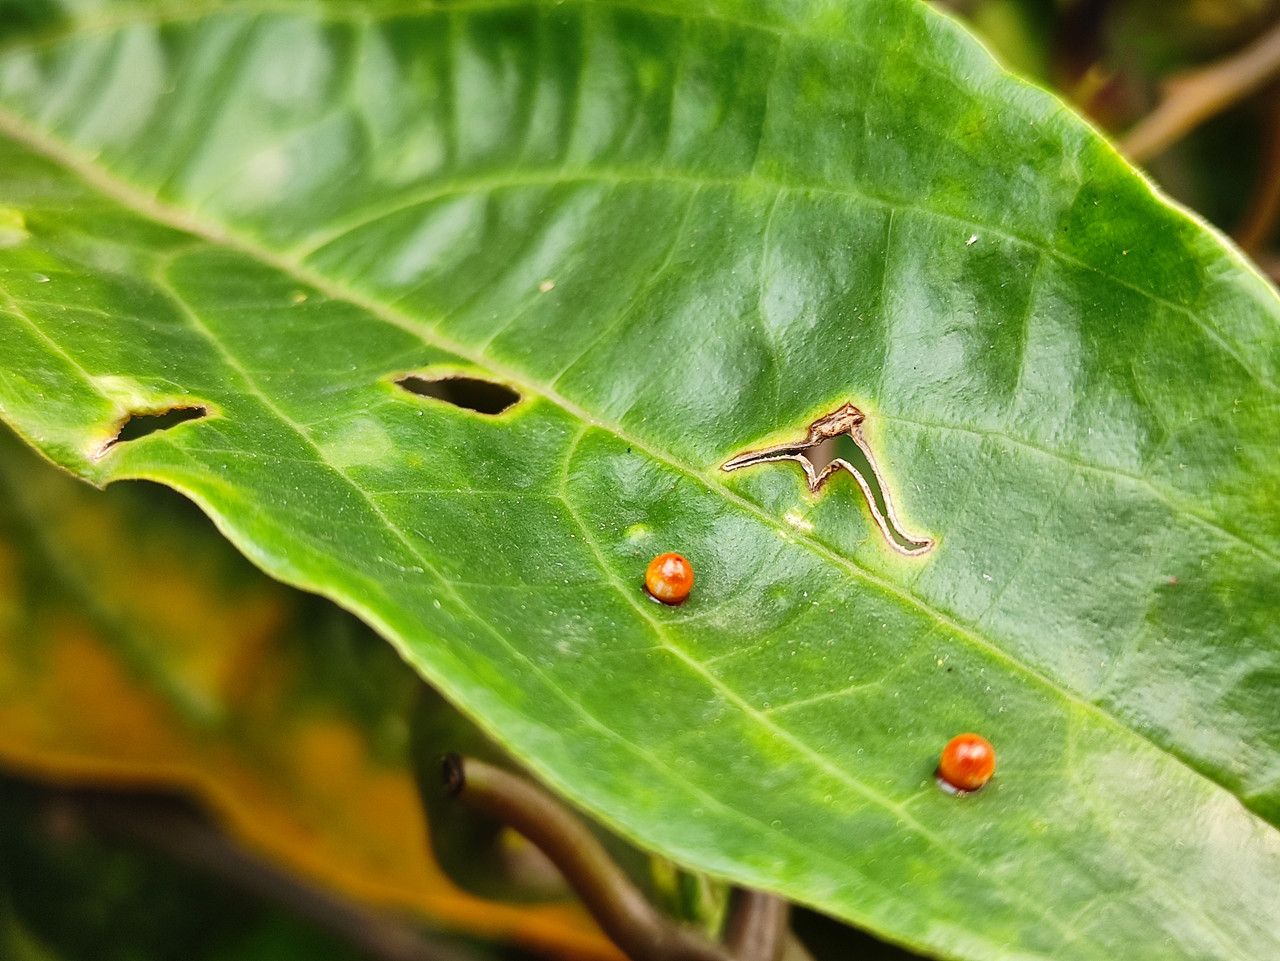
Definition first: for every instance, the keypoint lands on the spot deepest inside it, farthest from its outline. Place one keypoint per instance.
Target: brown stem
(1197, 95)
(758, 927)
(618, 906)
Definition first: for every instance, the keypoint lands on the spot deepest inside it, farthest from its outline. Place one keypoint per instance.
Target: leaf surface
(681, 231)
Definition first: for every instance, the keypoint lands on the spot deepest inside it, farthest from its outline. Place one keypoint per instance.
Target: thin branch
(758, 927)
(618, 906)
(1193, 97)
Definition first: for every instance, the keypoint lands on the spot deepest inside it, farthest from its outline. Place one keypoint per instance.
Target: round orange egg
(967, 762)
(669, 578)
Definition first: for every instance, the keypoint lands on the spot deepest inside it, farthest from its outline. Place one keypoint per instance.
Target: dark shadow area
(829, 940)
(122, 875)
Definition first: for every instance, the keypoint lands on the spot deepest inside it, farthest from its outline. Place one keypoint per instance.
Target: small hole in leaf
(470, 393)
(143, 423)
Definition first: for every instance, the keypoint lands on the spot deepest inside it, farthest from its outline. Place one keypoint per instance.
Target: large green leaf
(681, 231)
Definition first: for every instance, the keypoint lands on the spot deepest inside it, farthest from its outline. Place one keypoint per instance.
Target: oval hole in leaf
(469, 393)
(143, 423)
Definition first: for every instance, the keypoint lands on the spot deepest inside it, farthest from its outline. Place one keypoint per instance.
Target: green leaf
(681, 231)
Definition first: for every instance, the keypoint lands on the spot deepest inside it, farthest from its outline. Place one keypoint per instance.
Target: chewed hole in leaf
(139, 424)
(470, 393)
(843, 448)
(834, 443)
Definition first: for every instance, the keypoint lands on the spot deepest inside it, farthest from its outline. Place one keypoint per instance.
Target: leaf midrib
(1181, 507)
(107, 182)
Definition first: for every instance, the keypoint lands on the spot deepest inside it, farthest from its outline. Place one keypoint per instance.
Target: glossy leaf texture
(139, 652)
(680, 231)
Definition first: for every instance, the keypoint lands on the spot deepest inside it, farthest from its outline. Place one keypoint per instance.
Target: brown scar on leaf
(844, 420)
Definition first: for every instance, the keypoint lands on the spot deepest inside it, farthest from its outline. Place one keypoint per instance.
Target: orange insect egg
(967, 762)
(669, 578)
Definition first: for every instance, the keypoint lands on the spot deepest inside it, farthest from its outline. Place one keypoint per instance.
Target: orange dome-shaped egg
(669, 578)
(967, 762)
